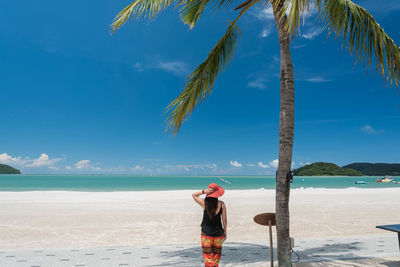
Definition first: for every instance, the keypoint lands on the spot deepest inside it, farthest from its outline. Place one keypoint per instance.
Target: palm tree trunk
(286, 132)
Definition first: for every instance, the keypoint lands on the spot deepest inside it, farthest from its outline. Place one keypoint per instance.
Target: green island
(5, 169)
(325, 169)
(374, 169)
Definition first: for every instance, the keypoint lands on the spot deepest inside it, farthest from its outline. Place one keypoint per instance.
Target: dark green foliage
(376, 168)
(5, 169)
(325, 169)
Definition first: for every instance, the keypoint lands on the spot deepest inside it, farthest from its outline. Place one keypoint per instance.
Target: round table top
(264, 218)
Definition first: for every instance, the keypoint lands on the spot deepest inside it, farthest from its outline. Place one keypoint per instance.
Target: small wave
(303, 188)
(264, 189)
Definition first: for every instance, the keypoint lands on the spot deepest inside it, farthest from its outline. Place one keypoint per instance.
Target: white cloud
(138, 67)
(299, 46)
(214, 166)
(195, 168)
(117, 169)
(265, 13)
(198, 166)
(87, 164)
(258, 83)
(68, 167)
(137, 168)
(262, 165)
(267, 30)
(83, 164)
(44, 160)
(235, 164)
(276, 59)
(187, 167)
(367, 129)
(251, 165)
(274, 163)
(175, 67)
(318, 79)
(311, 32)
(8, 159)
(54, 168)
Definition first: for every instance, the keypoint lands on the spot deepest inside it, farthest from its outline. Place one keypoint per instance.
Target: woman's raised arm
(199, 200)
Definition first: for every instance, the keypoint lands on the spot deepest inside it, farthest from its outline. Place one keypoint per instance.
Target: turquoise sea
(154, 183)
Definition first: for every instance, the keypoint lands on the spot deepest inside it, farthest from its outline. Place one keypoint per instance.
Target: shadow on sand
(235, 253)
(242, 254)
(392, 263)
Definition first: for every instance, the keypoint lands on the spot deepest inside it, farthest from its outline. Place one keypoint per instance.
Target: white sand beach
(50, 219)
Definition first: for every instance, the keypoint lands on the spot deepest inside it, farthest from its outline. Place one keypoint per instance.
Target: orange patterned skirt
(212, 247)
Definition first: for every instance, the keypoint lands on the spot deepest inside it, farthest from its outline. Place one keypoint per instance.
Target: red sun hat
(218, 191)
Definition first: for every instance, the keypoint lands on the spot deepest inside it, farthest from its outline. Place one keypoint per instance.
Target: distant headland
(5, 169)
(353, 169)
(373, 169)
(325, 169)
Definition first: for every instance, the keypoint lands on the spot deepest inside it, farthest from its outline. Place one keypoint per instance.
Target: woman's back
(212, 226)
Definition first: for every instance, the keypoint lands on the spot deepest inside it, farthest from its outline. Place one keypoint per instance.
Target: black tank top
(212, 226)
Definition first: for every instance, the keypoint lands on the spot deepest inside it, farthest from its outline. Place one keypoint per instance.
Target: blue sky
(76, 99)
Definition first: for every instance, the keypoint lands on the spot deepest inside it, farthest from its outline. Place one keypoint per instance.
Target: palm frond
(295, 14)
(140, 9)
(295, 10)
(200, 82)
(365, 38)
(191, 10)
(242, 5)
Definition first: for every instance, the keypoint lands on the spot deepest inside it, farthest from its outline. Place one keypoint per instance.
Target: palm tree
(361, 34)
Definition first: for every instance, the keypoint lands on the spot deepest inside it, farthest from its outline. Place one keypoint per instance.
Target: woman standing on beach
(214, 224)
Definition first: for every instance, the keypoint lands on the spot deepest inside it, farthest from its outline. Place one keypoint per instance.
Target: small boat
(359, 182)
(386, 179)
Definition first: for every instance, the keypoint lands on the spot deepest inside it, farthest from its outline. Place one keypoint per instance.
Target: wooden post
(267, 219)
(270, 244)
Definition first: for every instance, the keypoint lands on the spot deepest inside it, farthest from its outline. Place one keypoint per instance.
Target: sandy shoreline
(60, 219)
